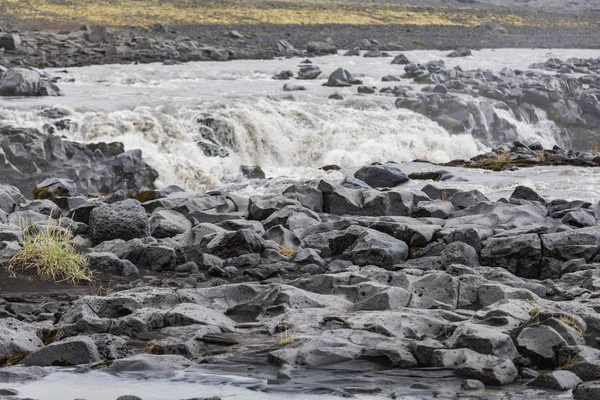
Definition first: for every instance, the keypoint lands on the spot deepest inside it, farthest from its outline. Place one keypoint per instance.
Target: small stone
(472, 384)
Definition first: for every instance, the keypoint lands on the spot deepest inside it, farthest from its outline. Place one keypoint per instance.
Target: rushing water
(157, 108)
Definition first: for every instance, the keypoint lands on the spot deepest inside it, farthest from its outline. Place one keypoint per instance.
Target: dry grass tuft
(573, 324)
(50, 251)
(570, 361)
(286, 334)
(289, 253)
(154, 348)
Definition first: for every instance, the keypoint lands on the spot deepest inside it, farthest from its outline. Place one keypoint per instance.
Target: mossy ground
(255, 12)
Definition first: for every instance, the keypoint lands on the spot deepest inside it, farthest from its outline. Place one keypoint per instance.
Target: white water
(156, 107)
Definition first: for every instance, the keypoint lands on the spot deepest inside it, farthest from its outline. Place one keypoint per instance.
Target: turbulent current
(197, 123)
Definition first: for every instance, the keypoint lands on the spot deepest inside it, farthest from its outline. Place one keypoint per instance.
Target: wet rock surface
(472, 101)
(30, 156)
(323, 274)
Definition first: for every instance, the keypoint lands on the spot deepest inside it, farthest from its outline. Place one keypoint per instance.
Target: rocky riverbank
(103, 45)
(325, 272)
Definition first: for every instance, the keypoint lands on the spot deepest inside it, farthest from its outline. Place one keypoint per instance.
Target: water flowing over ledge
(237, 112)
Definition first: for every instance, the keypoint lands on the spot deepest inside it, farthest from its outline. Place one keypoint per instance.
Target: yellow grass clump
(50, 252)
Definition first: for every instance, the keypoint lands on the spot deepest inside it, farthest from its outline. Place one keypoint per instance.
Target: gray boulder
(460, 253)
(380, 249)
(10, 41)
(261, 207)
(433, 209)
(569, 245)
(22, 81)
(10, 198)
(380, 176)
(469, 364)
(8, 249)
(462, 199)
(293, 88)
(587, 391)
(233, 244)
(579, 219)
(556, 380)
(219, 55)
(94, 167)
(525, 193)
(540, 343)
(583, 361)
(309, 72)
(484, 340)
(68, 352)
(308, 196)
(287, 49)
(435, 290)
(17, 338)
(321, 48)
(340, 78)
(122, 220)
(519, 254)
(108, 262)
(460, 52)
(400, 59)
(168, 223)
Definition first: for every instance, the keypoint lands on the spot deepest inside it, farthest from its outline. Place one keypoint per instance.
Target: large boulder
(168, 223)
(460, 52)
(10, 198)
(10, 41)
(587, 391)
(29, 157)
(484, 340)
(22, 81)
(124, 220)
(467, 199)
(569, 245)
(233, 244)
(17, 339)
(556, 380)
(540, 343)
(321, 48)
(526, 193)
(400, 59)
(109, 263)
(340, 77)
(518, 254)
(435, 290)
(380, 176)
(309, 72)
(469, 364)
(71, 351)
(380, 249)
